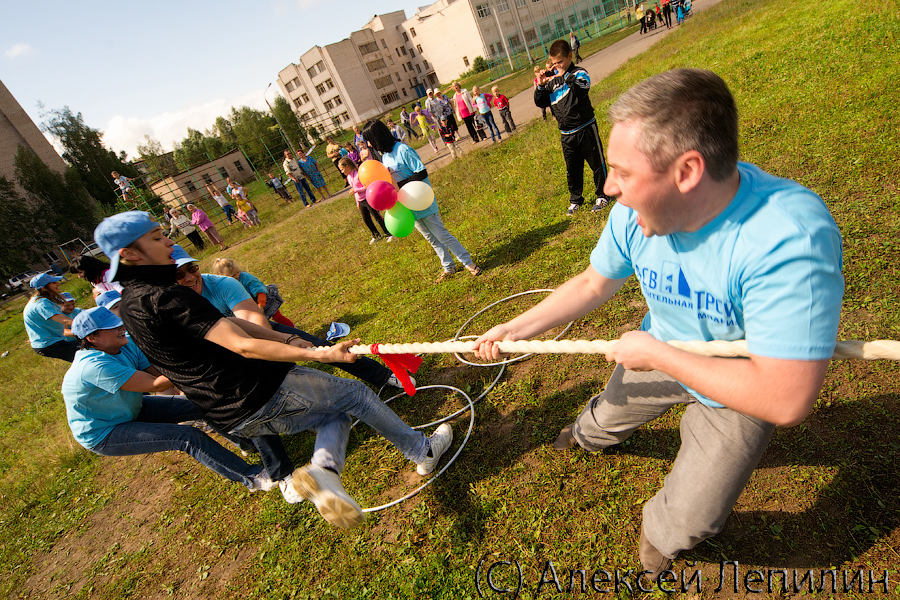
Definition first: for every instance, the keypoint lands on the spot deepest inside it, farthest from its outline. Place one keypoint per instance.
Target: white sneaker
(572, 208)
(262, 483)
(290, 493)
(373, 240)
(394, 382)
(324, 489)
(390, 238)
(440, 440)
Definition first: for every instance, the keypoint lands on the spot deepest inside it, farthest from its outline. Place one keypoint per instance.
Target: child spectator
(449, 135)
(425, 127)
(296, 174)
(221, 200)
(352, 153)
(348, 168)
(502, 104)
(125, 186)
(398, 132)
(568, 86)
(266, 297)
(239, 194)
(276, 184)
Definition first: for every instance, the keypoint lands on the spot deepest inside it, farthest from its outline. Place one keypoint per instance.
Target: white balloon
(416, 195)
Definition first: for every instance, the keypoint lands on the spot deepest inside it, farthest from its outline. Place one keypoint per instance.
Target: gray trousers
(720, 448)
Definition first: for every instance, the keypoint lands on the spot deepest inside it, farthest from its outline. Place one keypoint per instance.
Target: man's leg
(574, 168)
(631, 398)
(592, 150)
(720, 448)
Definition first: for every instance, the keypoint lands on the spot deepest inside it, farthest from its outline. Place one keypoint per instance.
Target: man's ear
(130, 254)
(689, 170)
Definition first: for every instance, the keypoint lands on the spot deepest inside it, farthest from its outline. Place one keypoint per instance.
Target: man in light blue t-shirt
(722, 251)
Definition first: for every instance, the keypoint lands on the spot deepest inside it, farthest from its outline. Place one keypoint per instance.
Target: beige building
(375, 70)
(190, 186)
(17, 129)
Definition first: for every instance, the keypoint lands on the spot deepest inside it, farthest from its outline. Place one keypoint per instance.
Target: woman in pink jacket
(465, 110)
(199, 218)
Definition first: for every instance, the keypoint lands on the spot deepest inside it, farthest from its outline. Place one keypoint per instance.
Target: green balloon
(400, 221)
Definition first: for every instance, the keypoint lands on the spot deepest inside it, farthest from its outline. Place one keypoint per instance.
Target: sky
(156, 68)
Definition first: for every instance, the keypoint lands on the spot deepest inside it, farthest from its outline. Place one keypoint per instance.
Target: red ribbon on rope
(401, 365)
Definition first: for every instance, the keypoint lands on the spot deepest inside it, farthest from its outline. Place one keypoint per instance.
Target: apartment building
(358, 78)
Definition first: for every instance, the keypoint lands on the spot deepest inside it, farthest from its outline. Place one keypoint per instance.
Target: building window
(466, 60)
(426, 63)
(585, 15)
(190, 186)
(403, 50)
(535, 1)
(503, 6)
(598, 11)
(297, 102)
(329, 105)
(384, 44)
(404, 67)
(207, 178)
(344, 117)
(405, 94)
(337, 101)
(369, 47)
(376, 65)
(329, 84)
(483, 10)
(412, 30)
(391, 58)
(239, 166)
(419, 48)
(223, 172)
(311, 72)
(573, 20)
(296, 81)
(405, 37)
(320, 88)
(389, 98)
(289, 86)
(383, 82)
(418, 69)
(398, 51)
(304, 97)
(521, 3)
(312, 113)
(545, 30)
(492, 50)
(412, 53)
(317, 68)
(409, 64)
(514, 41)
(530, 35)
(560, 25)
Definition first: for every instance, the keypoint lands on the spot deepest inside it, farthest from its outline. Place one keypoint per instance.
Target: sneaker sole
(334, 508)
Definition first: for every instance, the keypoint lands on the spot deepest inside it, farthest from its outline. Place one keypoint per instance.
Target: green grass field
(818, 104)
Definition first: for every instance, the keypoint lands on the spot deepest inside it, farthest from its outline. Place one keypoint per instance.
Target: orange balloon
(372, 170)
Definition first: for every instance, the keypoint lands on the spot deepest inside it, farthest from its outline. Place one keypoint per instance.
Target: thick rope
(875, 350)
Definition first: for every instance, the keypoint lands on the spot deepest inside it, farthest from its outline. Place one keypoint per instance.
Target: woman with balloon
(414, 206)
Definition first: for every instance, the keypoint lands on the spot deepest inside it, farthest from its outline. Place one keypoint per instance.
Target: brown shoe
(566, 439)
(474, 270)
(444, 275)
(652, 559)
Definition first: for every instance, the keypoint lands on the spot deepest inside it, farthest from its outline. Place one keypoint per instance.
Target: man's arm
(143, 381)
(778, 391)
(248, 310)
(252, 341)
(573, 299)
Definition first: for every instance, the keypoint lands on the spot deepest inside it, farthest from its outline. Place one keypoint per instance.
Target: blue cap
(93, 319)
(180, 256)
(337, 330)
(118, 231)
(68, 297)
(39, 281)
(109, 298)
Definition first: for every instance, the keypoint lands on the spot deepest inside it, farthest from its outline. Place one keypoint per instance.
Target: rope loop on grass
(874, 350)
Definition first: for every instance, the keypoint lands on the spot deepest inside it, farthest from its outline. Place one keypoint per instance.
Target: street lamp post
(280, 126)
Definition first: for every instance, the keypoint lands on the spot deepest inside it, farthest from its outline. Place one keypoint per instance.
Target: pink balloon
(381, 195)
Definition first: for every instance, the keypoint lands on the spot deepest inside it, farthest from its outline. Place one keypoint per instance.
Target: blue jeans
(301, 181)
(443, 242)
(488, 118)
(156, 429)
(229, 212)
(313, 400)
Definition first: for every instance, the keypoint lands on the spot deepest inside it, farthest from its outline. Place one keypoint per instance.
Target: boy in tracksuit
(565, 91)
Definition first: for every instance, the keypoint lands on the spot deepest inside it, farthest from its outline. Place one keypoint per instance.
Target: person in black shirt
(565, 91)
(239, 374)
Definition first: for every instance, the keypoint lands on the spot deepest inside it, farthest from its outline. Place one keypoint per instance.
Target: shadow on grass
(522, 246)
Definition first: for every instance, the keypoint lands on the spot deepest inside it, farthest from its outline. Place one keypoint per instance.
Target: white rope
(874, 350)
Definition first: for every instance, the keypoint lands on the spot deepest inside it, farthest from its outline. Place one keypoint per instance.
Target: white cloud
(125, 133)
(17, 50)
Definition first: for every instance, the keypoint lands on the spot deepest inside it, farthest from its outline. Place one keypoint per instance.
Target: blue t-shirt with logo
(42, 330)
(224, 293)
(403, 161)
(95, 402)
(767, 269)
